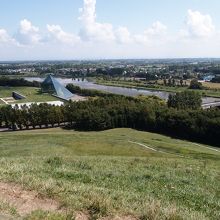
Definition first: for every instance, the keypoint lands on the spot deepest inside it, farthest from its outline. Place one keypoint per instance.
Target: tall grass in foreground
(146, 185)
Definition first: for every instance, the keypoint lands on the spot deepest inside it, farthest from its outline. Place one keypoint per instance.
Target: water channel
(116, 90)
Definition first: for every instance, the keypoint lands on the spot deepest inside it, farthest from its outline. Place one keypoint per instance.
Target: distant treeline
(147, 115)
(6, 81)
(99, 114)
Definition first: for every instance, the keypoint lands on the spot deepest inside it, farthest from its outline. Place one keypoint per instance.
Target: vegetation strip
(181, 118)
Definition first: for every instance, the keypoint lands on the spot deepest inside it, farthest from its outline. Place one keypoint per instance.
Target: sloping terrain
(115, 174)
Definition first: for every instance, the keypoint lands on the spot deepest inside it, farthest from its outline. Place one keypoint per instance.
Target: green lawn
(32, 94)
(105, 174)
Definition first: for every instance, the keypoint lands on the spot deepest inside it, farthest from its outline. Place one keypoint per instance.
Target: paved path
(209, 105)
(143, 145)
(4, 129)
(150, 148)
(210, 148)
(4, 101)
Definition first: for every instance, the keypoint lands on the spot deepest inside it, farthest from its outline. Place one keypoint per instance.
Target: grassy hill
(119, 172)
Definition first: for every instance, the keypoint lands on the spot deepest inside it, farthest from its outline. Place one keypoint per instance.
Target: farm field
(120, 172)
(32, 94)
(211, 85)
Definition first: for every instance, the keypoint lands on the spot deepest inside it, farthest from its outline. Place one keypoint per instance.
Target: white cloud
(27, 33)
(4, 36)
(198, 38)
(57, 33)
(156, 32)
(157, 29)
(123, 35)
(198, 25)
(93, 30)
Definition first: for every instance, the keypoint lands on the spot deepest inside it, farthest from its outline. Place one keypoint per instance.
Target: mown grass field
(32, 94)
(107, 174)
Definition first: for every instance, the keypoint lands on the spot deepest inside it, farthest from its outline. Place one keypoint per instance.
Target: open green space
(120, 172)
(32, 94)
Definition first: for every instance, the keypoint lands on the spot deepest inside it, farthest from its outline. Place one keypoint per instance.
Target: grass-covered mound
(109, 173)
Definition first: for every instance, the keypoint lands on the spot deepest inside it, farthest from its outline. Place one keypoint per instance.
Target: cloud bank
(118, 41)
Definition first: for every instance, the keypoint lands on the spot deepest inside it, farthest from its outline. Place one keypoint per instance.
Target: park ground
(120, 173)
(32, 95)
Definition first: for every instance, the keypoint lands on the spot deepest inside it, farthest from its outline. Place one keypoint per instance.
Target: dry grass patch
(25, 201)
(211, 85)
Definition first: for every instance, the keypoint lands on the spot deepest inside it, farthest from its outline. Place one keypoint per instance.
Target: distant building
(17, 96)
(208, 78)
(52, 86)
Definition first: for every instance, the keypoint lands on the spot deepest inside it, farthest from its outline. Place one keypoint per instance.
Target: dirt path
(25, 201)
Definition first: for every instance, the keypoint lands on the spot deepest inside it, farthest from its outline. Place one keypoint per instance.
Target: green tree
(195, 84)
(165, 82)
(185, 100)
(181, 82)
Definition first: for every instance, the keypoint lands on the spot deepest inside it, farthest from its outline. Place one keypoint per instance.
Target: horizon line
(109, 59)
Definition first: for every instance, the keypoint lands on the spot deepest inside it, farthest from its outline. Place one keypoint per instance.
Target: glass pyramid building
(51, 85)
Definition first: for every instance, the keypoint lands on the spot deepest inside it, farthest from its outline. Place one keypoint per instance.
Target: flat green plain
(32, 94)
(120, 172)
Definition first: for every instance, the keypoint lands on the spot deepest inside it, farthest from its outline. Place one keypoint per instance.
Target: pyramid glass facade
(51, 85)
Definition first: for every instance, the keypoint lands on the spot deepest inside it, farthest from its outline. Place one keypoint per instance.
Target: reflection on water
(116, 90)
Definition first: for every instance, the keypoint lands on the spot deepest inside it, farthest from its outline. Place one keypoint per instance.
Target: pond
(116, 90)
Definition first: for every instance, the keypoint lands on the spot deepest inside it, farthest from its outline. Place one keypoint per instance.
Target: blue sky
(57, 29)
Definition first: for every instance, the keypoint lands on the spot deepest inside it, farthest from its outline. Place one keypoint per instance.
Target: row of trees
(174, 82)
(117, 112)
(88, 92)
(194, 84)
(6, 81)
(42, 115)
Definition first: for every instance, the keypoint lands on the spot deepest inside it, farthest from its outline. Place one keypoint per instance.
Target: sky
(113, 29)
